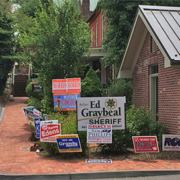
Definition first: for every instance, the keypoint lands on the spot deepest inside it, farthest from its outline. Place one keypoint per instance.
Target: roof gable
(163, 23)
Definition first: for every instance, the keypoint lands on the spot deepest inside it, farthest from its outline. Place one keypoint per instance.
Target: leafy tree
(6, 43)
(29, 7)
(54, 44)
(120, 16)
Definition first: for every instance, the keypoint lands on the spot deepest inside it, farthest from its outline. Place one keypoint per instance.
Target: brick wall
(168, 87)
(96, 18)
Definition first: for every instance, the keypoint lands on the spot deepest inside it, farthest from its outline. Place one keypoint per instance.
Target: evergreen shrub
(91, 85)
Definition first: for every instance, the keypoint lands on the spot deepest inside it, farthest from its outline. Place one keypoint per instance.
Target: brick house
(96, 32)
(152, 60)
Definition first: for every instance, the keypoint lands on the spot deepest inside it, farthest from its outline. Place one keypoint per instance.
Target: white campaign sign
(99, 134)
(101, 111)
(170, 142)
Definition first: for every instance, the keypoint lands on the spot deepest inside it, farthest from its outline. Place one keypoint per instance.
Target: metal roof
(165, 22)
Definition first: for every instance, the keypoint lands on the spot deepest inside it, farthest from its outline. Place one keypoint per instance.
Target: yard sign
(48, 132)
(69, 143)
(145, 144)
(170, 142)
(99, 134)
(101, 111)
(66, 86)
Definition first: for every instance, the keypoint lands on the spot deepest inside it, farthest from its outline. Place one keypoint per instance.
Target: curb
(2, 114)
(93, 175)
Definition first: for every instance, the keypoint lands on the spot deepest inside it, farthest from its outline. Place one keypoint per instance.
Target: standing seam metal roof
(165, 22)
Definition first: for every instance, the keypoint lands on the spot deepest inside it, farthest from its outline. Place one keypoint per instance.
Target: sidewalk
(14, 134)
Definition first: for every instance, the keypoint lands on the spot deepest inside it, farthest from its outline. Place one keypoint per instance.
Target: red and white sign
(66, 86)
(36, 112)
(99, 133)
(145, 144)
(48, 132)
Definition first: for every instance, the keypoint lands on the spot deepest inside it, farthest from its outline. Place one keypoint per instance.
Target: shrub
(122, 87)
(91, 85)
(32, 101)
(29, 89)
(139, 122)
(68, 126)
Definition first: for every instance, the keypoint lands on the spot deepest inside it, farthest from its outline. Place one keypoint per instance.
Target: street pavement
(17, 161)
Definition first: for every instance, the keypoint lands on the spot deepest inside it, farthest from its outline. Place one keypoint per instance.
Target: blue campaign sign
(68, 143)
(38, 129)
(65, 102)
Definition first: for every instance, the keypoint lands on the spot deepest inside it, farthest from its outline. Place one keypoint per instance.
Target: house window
(102, 27)
(92, 36)
(97, 34)
(154, 90)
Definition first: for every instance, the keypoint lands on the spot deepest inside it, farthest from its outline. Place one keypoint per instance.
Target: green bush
(139, 122)
(32, 101)
(91, 85)
(29, 89)
(122, 87)
(29, 92)
(68, 126)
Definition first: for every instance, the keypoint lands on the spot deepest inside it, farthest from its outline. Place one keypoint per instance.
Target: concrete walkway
(14, 134)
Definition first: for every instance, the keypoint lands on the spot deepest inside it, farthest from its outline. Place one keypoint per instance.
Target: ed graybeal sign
(101, 111)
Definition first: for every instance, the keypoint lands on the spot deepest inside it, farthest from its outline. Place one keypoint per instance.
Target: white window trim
(102, 27)
(152, 93)
(92, 36)
(96, 34)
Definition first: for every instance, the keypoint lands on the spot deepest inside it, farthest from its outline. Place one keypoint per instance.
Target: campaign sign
(66, 86)
(35, 87)
(37, 116)
(101, 111)
(38, 129)
(170, 142)
(145, 144)
(99, 134)
(48, 132)
(36, 112)
(39, 123)
(28, 111)
(98, 161)
(30, 108)
(69, 143)
(65, 102)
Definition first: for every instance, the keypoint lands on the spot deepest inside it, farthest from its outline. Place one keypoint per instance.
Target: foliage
(122, 87)
(82, 70)
(139, 122)
(120, 15)
(29, 7)
(6, 44)
(36, 102)
(29, 90)
(68, 126)
(54, 45)
(91, 85)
